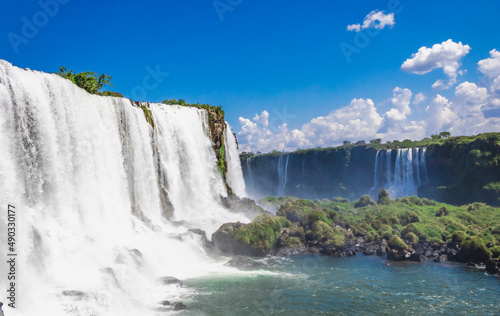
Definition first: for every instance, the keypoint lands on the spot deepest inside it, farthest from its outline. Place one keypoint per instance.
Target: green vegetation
(148, 115)
(221, 160)
(110, 94)
(403, 222)
(442, 138)
(218, 109)
(89, 81)
(261, 232)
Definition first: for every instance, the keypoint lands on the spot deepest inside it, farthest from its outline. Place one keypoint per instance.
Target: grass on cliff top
(218, 109)
(409, 219)
(376, 144)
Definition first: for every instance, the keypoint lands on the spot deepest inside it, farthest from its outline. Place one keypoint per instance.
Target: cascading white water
(234, 172)
(249, 172)
(90, 179)
(401, 176)
(282, 174)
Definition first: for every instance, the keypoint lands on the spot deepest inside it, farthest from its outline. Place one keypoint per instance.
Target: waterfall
(401, 176)
(282, 174)
(104, 201)
(234, 171)
(249, 172)
(375, 179)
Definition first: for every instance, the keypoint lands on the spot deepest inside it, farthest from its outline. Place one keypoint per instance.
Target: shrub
(383, 197)
(363, 201)
(319, 216)
(397, 243)
(340, 200)
(442, 212)
(412, 238)
(409, 217)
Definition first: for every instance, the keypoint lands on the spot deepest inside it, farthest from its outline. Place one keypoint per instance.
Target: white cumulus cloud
(473, 108)
(446, 56)
(490, 66)
(419, 98)
(376, 20)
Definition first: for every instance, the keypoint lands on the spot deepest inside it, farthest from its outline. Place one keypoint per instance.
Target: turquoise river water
(362, 285)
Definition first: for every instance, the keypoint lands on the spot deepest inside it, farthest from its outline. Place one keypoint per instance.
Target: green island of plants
(467, 233)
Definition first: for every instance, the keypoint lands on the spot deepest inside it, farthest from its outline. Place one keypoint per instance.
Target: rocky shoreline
(451, 252)
(410, 229)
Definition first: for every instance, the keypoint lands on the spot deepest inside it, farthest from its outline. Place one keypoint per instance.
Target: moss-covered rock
(363, 201)
(383, 198)
(254, 239)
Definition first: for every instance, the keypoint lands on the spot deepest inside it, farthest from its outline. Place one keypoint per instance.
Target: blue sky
(281, 57)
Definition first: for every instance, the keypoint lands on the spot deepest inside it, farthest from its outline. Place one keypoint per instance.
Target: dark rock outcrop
(167, 280)
(179, 306)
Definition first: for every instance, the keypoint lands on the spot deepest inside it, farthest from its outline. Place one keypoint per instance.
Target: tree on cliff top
(89, 80)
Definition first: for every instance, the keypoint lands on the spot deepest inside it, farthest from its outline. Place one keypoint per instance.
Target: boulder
(243, 262)
(179, 306)
(493, 266)
(256, 239)
(207, 244)
(167, 280)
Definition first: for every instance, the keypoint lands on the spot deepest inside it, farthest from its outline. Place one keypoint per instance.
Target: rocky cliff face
(312, 174)
(460, 170)
(216, 125)
(464, 170)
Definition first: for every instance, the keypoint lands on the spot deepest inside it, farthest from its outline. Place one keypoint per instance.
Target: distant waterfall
(234, 172)
(282, 174)
(400, 175)
(96, 189)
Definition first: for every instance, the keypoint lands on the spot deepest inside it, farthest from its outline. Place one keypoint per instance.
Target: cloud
(419, 98)
(472, 108)
(262, 119)
(439, 115)
(394, 119)
(375, 20)
(358, 120)
(256, 135)
(490, 66)
(446, 56)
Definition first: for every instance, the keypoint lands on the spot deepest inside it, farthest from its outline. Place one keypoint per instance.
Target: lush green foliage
(403, 222)
(442, 138)
(110, 94)
(89, 80)
(261, 232)
(217, 109)
(148, 115)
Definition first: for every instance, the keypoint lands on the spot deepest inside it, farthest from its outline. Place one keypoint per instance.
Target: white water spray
(400, 176)
(94, 186)
(282, 174)
(234, 172)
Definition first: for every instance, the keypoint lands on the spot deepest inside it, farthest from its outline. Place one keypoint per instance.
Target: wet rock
(179, 306)
(111, 275)
(289, 251)
(398, 255)
(165, 303)
(493, 266)
(417, 256)
(75, 294)
(441, 258)
(243, 262)
(207, 244)
(167, 280)
(137, 256)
